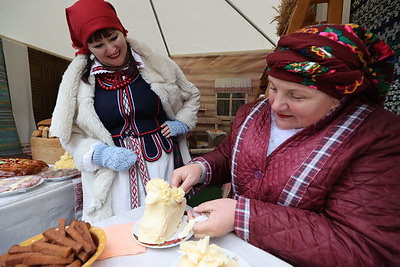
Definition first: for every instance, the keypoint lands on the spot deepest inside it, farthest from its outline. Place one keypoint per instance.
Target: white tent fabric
(174, 27)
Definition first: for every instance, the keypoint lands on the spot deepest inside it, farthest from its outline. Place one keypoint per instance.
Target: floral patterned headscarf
(335, 59)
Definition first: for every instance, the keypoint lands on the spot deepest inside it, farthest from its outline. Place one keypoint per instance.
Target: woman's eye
(272, 89)
(297, 97)
(114, 38)
(97, 46)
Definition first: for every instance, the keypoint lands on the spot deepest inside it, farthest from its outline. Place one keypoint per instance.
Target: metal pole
(159, 27)
(251, 23)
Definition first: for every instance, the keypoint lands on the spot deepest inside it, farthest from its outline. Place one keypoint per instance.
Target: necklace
(114, 81)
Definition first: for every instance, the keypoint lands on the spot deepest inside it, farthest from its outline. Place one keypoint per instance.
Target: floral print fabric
(336, 59)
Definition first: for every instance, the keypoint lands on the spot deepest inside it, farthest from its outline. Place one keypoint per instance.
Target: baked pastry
(201, 253)
(37, 133)
(46, 122)
(43, 129)
(164, 208)
(10, 167)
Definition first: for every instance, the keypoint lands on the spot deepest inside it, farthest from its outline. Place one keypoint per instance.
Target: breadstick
(53, 235)
(78, 238)
(19, 249)
(76, 263)
(83, 256)
(3, 259)
(18, 258)
(74, 223)
(82, 228)
(61, 226)
(53, 265)
(51, 249)
(36, 258)
(85, 228)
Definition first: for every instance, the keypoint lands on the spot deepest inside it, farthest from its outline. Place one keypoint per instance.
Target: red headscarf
(85, 17)
(336, 59)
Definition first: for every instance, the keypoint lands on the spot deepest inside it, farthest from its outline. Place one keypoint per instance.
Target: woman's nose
(111, 48)
(278, 102)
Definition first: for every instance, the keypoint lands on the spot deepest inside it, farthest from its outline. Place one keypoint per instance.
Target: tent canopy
(174, 27)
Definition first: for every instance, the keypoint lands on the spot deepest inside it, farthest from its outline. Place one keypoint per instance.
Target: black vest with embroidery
(136, 111)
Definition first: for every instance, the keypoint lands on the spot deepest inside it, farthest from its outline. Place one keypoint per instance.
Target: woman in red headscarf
(122, 111)
(315, 166)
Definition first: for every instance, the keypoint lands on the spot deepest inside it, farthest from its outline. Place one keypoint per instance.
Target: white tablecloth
(166, 256)
(30, 213)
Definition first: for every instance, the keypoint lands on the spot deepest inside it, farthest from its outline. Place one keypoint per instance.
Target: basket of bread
(78, 244)
(44, 146)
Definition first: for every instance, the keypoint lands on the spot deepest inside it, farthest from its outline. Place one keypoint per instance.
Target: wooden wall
(203, 70)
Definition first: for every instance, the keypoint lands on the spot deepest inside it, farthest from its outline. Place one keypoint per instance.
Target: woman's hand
(221, 218)
(186, 177)
(173, 128)
(165, 130)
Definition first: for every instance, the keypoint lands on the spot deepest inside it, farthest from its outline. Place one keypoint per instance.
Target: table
(30, 213)
(166, 256)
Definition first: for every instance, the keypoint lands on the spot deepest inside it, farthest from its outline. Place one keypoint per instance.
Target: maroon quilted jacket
(349, 214)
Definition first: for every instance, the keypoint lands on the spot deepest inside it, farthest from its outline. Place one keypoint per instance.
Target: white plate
(58, 179)
(22, 190)
(174, 240)
(61, 178)
(232, 255)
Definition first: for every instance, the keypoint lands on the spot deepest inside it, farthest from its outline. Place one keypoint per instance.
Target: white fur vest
(78, 126)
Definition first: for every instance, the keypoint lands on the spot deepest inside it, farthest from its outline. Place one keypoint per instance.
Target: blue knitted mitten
(113, 157)
(177, 127)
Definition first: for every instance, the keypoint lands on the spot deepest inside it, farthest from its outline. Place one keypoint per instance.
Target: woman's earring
(91, 57)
